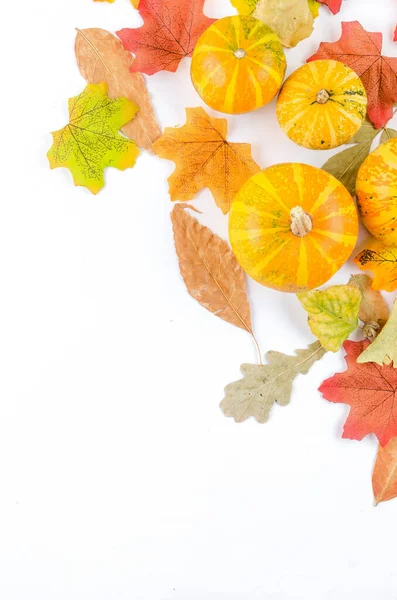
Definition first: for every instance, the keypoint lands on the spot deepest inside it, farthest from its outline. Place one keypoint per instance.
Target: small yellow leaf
(333, 313)
(383, 350)
(205, 159)
(382, 261)
(314, 8)
(90, 142)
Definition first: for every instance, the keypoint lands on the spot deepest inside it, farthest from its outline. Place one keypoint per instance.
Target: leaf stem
(257, 348)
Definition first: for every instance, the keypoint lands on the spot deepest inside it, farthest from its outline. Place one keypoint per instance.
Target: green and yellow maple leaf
(90, 142)
(333, 313)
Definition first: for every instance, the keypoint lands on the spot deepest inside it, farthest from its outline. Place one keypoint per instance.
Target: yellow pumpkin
(238, 65)
(322, 105)
(376, 190)
(292, 227)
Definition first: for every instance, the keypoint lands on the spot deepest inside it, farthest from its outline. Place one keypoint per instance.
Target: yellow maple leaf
(382, 261)
(205, 159)
(90, 142)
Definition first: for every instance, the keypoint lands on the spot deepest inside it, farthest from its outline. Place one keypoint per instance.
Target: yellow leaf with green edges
(333, 313)
(90, 142)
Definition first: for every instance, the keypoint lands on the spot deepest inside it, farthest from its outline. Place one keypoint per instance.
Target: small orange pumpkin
(376, 190)
(238, 65)
(322, 105)
(292, 227)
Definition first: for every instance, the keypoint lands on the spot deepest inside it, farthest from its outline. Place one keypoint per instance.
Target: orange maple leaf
(371, 391)
(384, 479)
(205, 159)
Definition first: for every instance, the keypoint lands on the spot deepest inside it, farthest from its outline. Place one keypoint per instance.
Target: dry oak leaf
(345, 164)
(384, 479)
(333, 5)
(210, 270)
(291, 20)
(361, 50)
(370, 390)
(90, 142)
(205, 159)
(101, 57)
(383, 350)
(374, 311)
(262, 386)
(170, 32)
(333, 313)
(382, 261)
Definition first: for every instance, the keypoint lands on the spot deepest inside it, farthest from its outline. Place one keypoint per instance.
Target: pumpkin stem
(323, 96)
(240, 53)
(301, 222)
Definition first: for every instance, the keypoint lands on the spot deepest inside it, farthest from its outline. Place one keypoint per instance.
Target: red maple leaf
(361, 50)
(170, 33)
(333, 5)
(370, 390)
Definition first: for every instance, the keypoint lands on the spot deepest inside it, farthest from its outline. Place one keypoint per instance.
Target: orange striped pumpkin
(292, 227)
(322, 105)
(376, 190)
(238, 65)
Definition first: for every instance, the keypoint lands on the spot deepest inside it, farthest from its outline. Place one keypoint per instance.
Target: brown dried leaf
(210, 270)
(101, 57)
(374, 311)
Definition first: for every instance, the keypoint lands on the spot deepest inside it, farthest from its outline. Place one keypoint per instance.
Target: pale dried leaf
(262, 386)
(291, 20)
(101, 57)
(210, 270)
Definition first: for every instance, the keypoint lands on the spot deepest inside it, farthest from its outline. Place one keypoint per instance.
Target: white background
(120, 477)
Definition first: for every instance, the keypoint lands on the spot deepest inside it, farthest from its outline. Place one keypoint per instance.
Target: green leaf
(387, 134)
(366, 133)
(333, 313)
(345, 165)
(262, 386)
(90, 142)
(384, 349)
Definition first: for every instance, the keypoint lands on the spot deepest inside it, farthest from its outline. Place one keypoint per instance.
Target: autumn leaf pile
(113, 119)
